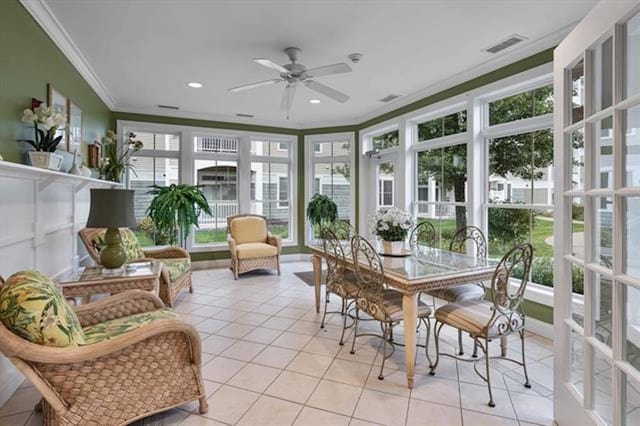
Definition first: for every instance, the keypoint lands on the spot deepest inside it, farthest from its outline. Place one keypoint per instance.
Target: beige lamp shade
(111, 208)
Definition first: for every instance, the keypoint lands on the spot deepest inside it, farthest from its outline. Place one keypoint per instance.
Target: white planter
(392, 247)
(45, 160)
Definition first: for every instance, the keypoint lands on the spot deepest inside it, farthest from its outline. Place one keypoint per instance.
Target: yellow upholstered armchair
(176, 262)
(251, 246)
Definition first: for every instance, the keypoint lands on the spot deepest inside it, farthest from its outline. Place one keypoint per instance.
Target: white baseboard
(224, 263)
(540, 328)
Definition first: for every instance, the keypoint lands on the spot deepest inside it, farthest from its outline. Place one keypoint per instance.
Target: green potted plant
(175, 208)
(46, 123)
(321, 211)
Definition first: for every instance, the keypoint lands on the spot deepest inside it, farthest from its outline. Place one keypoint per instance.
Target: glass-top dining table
(426, 268)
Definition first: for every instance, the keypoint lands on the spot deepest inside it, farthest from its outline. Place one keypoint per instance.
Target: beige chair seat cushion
(346, 287)
(253, 250)
(249, 229)
(389, 307)
(472, 316)
(458, 293)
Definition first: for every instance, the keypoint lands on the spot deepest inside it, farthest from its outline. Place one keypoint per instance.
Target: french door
(597, 200)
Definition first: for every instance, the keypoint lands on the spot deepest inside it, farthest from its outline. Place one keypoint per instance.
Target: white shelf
(47, 177)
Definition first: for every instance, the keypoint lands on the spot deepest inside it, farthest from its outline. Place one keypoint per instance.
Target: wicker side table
(89, 281)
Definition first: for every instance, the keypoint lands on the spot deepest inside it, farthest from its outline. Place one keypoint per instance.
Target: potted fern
(175, 208)
(321, 211)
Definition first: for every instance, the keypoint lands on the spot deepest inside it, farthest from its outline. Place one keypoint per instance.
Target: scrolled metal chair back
(342, 229)
(469, 234)
(364, 255)
(517, 260)
(334, 256)
(423, 234)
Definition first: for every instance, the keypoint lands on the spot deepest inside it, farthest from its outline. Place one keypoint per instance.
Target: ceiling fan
(295, 73)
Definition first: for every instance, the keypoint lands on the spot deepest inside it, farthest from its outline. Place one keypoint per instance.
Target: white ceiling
(145, 51)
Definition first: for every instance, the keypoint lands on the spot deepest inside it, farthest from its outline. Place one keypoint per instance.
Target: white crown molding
(54, 29)
(492, 64)
(47, 20)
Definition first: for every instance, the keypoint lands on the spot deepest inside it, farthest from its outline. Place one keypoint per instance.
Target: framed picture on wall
(75, 128)
(59, 103)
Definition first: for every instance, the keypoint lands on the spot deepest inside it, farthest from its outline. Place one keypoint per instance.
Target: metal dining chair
(425, 234)
(378, 301)
(472, 291)
(340, 281)
(486, 320)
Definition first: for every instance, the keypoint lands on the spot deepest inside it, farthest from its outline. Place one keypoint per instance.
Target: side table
(90, 281)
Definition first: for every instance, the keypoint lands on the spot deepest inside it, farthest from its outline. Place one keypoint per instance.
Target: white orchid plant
(391, 224)
(46, 123)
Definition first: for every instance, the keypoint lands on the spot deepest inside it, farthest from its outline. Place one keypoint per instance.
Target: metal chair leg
(524, 362)
(355, 332)
(427, 322)
(387, 331)
(460, 347)
(475, 349)
(486, 358)
(344, 321)
(436, 337)
(326, 302)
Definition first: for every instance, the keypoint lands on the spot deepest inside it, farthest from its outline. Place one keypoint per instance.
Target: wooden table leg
(410, 314)
(316, 261)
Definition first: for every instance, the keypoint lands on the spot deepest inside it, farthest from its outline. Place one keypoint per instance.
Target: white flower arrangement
(391, 224)
(46, 123)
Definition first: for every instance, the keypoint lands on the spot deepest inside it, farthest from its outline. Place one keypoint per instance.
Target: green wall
(28, 61)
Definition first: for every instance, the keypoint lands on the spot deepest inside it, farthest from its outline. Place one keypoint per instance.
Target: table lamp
(112, 209)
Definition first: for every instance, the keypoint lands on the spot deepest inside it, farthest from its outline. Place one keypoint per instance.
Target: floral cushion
(32, 307)
(116, 327)
(177, 267)
(130, 244)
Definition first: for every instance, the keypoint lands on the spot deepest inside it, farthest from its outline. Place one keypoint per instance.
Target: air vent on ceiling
(389, 98)
(168, 106)
(244, 115)
(505, 44)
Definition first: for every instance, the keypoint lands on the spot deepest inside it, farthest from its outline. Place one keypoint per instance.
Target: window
(521, 106)
(520, 207)
(238, 173)
(441, 184)
(386, 192)
(386, 140)
(149, 171)
(270, 185)
(331, 173)
(283, 192)
(443, 126)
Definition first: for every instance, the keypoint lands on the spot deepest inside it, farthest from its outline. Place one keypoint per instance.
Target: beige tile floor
(267, 362)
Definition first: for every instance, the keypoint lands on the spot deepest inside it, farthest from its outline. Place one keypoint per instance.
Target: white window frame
(187, 156)
(291, 161)
(280, 204)
(311, 160)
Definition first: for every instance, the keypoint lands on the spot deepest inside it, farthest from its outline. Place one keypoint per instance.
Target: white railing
(216, 144)
(220, 211)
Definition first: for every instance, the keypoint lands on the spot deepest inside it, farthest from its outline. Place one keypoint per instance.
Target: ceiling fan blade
(256, 84)
(327, 91)
(270, 64)
(338, 68)
(287, 97)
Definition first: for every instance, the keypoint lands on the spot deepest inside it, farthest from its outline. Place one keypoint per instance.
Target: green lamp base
(113, 255)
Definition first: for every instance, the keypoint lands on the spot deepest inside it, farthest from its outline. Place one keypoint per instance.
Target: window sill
(544, 295)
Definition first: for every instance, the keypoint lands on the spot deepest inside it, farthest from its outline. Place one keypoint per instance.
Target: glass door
(597, 153)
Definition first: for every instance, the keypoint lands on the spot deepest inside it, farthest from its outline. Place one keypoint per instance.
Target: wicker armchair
(169, 288)
(116, 381)
(251, 245)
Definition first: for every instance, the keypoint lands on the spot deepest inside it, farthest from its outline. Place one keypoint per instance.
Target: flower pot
(45, 160)
(392, 247)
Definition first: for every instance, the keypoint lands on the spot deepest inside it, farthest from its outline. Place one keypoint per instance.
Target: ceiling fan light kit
(294, 73)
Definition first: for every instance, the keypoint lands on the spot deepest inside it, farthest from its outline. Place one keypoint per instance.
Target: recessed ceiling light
(194, 85)
(314, 101)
